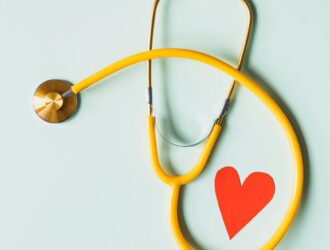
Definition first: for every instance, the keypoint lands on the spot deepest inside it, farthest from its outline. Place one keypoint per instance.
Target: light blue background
(88, 183)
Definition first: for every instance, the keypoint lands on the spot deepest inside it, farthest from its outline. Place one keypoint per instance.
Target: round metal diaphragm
(52, 103)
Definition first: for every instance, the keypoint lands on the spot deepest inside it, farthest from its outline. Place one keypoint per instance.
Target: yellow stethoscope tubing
(195, 172)
(248, 83)
(177, 181)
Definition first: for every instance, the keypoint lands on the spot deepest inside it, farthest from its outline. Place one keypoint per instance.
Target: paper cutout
(239, 204)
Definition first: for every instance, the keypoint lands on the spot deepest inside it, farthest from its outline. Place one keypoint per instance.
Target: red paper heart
(239, 204)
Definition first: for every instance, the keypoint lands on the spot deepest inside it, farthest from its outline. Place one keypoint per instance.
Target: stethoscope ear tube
(232, 87)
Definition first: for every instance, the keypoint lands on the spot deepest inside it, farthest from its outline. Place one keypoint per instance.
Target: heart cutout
(239, 204)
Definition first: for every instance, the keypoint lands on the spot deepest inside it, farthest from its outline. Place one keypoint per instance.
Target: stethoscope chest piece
(54, 101)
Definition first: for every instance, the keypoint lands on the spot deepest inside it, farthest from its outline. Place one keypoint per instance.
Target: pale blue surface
(99, 191)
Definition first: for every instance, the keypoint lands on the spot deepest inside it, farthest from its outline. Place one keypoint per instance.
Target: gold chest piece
(54, 101)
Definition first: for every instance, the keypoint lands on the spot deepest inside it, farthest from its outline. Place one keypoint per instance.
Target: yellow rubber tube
(195, 172)
(255, 89)
(174, 215)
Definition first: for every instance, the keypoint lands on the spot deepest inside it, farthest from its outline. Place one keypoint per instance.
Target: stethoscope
(56, 100)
